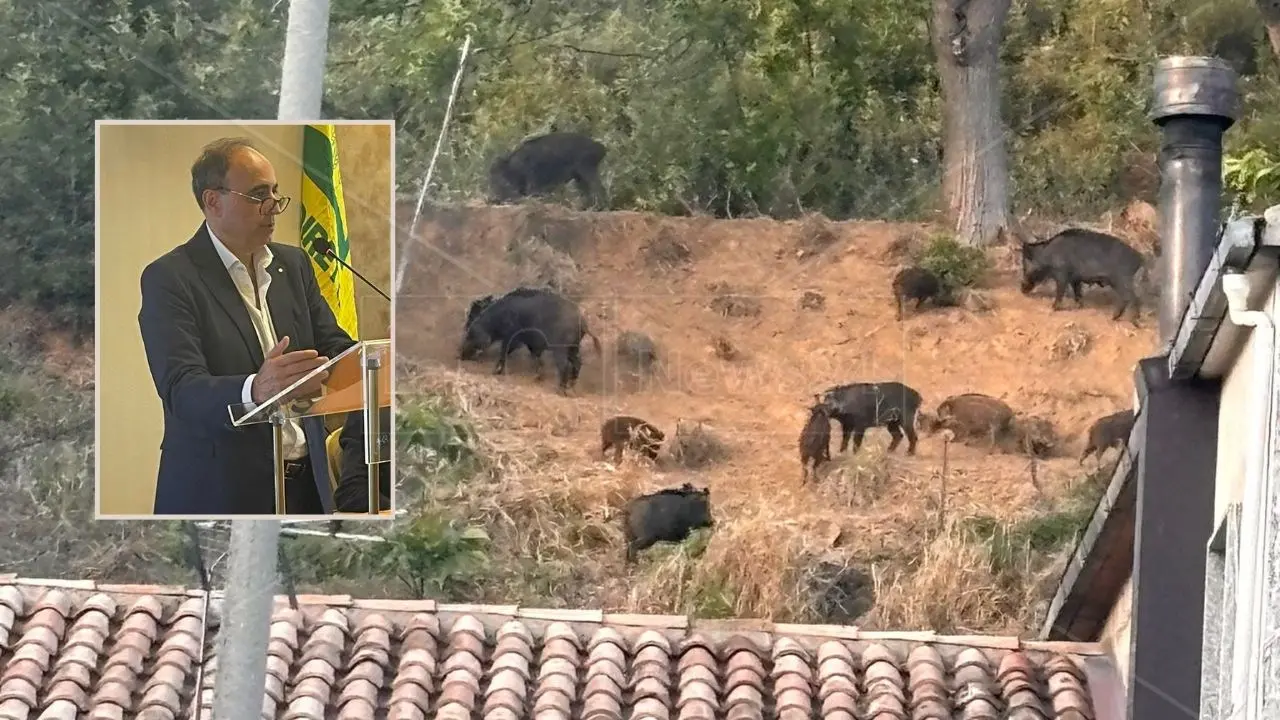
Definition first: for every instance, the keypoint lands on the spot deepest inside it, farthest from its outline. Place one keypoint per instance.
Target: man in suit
(229, 318)
(352, 493)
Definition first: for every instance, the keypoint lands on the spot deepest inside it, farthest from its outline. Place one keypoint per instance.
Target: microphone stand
(372, 419)
(328, 252)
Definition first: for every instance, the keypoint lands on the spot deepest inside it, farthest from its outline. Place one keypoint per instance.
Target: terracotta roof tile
(75, 650)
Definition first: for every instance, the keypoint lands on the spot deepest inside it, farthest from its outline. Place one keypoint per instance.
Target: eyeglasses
(270, 205)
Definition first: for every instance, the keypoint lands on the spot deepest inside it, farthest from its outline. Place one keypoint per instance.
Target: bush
(1253, 177)
(956, 265)
(432, 553)
(434, 440)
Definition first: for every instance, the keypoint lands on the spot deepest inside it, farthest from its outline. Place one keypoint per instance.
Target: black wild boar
(919, 284)
(859, 406)
(478, 306)
(1108, 431)
(1076, 257)
(974, 416)
(625, 431)
(668, 515)
(541, 164)
(540, 320)
(815, 441)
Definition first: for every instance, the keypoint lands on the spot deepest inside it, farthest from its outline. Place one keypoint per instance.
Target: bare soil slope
(692, 284)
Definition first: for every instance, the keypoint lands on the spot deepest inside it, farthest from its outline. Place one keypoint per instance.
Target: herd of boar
(542, 320)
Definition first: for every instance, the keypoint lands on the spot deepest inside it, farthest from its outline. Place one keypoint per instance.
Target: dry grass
(539, 510)
(1034, 436)
(695, 446)
(906, 246)
(1074, 341)
(724, 348)
(812, 300)
(955, 543)
(856, 480)
(1138, 223)
(743, 563)
(539, 264)
(636, 352)
(813, 236)
(952, 588)
(976, 301)
(666, 251)
(552, 510)
(732, 302)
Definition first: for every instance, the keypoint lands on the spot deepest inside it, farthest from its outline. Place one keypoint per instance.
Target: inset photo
(244, 319)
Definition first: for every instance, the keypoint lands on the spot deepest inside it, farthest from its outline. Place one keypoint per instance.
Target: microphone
(325, 248)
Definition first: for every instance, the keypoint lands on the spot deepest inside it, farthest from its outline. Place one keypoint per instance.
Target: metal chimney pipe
(1196, 101)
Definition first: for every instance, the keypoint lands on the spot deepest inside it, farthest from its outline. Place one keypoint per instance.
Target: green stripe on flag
(324, 216)
(318, 162)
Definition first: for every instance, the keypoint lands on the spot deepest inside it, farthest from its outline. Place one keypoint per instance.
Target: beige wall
(1115, 631)
(363, 156)
(1234, 415)
(146, 208)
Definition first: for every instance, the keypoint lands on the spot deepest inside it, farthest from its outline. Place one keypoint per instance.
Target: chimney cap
(1195, 85)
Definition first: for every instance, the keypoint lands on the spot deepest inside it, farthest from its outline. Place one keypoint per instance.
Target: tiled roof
(72, 650)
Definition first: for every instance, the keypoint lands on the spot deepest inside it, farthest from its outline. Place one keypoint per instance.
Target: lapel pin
(279, 269)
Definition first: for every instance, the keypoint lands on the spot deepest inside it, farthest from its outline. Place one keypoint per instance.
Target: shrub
(435, 441)
(956, 265)
(431, 553)
(1253, 177)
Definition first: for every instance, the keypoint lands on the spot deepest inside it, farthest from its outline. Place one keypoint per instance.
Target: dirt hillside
(803, 305)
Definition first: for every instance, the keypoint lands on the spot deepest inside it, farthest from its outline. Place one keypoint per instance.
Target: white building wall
(1223, 631)
(1233, 418)
(1115, 636)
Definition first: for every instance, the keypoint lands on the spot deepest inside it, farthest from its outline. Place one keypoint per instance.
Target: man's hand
(281, 369)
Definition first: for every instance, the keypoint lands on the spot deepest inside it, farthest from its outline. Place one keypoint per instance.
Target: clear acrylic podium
(359, 380)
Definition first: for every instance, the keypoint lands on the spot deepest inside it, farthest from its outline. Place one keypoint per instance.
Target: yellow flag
(324, 215)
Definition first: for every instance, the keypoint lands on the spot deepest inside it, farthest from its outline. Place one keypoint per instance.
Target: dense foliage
(724, 106)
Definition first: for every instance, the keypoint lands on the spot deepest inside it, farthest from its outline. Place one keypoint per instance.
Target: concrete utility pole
(251, 575)
(306, 49)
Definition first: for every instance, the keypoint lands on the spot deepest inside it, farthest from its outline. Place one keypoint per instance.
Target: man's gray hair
(209, 171)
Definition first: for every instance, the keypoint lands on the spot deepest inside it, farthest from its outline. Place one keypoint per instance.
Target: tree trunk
(1270, 10)
(966, 36)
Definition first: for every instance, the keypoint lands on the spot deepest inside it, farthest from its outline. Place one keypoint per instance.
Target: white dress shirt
(295, 443)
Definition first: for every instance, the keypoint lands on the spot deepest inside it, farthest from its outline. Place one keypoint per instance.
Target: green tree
(67, 66)
(725, 107)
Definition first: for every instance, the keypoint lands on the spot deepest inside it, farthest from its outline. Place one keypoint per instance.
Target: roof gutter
(1204, 344)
